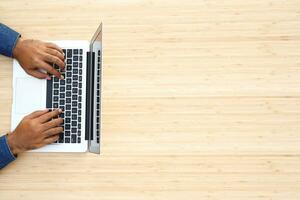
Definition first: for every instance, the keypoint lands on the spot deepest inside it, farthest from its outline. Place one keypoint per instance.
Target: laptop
(78, 95)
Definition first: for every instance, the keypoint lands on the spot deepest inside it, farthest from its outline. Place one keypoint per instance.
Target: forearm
(8, 40)
(6, 156)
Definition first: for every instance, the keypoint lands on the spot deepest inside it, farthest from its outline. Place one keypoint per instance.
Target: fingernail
(62, 77)
(48, 78)
(59, 110)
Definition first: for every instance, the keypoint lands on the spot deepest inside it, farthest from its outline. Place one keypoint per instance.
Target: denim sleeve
(8, 39)
(6, 155)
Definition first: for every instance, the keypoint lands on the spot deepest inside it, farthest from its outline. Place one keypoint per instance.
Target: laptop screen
(96, 87)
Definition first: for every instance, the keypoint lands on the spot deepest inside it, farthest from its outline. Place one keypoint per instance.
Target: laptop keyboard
(67, 95)
(98, 96)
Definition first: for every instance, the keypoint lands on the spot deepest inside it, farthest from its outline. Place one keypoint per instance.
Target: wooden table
(201, 101)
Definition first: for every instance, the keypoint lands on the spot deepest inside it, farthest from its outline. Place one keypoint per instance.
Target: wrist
(11, 140)
(18, 47)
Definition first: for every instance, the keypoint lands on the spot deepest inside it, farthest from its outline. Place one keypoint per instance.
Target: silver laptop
(78, 95)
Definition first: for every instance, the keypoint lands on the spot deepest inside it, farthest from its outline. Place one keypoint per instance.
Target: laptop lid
(94, 88)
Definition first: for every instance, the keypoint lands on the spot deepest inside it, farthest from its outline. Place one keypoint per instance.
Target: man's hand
(35, 130)
(36, 58)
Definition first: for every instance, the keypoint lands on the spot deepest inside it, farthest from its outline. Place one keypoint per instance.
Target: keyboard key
(68, 93)
(69, 67)
(79, 105)
(80, 65)
(75, 84)
(69, 74)
(56, 79)
(62, 95)
(79, 112)
(68, 107)
(79, 133)
(75, 64)
(61, 138)
(55, 98)
(62, 102)
(67, 133)
(75, 77)
(69, 61)
(67, 126)
(69, 80)
(74, 117)
(80, 71)
(75, 51)
(69, 87)
(68, 100)
(75, 71)
(75, 58)
(74, 97)
(74, 110)
(79, 126)
(73, 138)
(62, 82)
(55, 105)
(74, 103)
(67, 140)
(56, 85)
(73, 130)
(79, 119)
(55, 92)
(78, 140)
(69, 53)
(67, 120)
(80, 51)
(62, 107)
(80, 58)
(62, 89)
(68, 113)
(62, 115)
(74, 123)
(75, 90)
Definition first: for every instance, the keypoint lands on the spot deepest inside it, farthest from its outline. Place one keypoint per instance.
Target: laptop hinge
(89, 113)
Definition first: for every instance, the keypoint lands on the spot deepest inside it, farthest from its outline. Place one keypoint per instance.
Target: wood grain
(201, 100)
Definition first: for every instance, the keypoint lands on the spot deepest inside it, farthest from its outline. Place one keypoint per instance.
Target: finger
(39, 74)
(55, 60)
(52, 139)
(37, 113)
(55, 53)
(53, 131)
(54, 46)
(53, 123)
(48, 116)
(51, 70)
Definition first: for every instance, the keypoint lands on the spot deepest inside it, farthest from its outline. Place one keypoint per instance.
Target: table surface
(201, 100)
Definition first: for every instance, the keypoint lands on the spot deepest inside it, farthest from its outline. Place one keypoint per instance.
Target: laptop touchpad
(29, 92)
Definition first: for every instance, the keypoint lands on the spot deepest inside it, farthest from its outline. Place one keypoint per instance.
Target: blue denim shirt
(8, 39)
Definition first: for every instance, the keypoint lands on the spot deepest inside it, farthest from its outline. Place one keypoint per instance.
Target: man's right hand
(35, 130)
